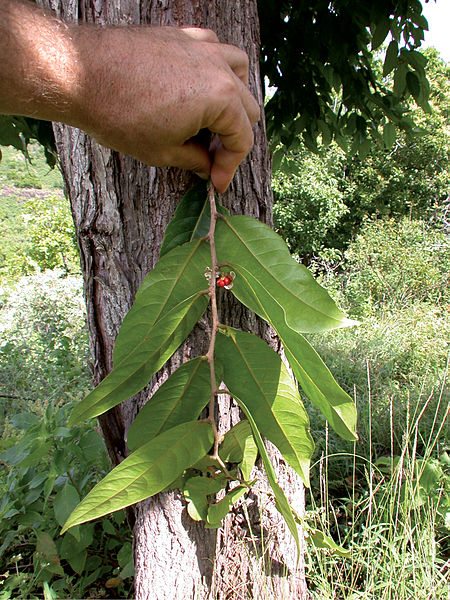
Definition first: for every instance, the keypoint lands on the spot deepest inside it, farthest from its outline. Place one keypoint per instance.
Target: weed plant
(46, 467)
(394, 518)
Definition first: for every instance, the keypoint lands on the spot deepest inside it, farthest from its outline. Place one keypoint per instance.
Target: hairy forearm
(144, 91)
(39, 70)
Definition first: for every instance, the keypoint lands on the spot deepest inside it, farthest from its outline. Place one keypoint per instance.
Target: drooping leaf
(196, 492)
(380, 32)
(244, 241)
(281, 502)
(256, 375)
(389, 134)
(191, 218)
(239, 446)
(181, 398)
(413, 83)
(167, 306)
(320, 540)
(391, 58)
(146, 471)
(219, 510)
(310, 371)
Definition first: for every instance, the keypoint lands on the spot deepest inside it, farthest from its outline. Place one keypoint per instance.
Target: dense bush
(43, 337)
(396, 264)
(45, 467)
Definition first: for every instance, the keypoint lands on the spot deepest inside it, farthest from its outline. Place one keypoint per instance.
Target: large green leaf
(181, 398)
(177, 276)
(191, 218)
(281, 501)
(256, 375)
(134, 372)
(145, 472)
(167, 306)
(309, 369)
(244, 241)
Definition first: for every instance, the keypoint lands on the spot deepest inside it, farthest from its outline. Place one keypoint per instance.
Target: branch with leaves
(171, 446)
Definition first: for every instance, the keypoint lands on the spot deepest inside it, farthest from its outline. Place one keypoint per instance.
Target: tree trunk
(120, 209)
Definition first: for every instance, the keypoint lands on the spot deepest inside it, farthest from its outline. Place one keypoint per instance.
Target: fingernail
(203, 175)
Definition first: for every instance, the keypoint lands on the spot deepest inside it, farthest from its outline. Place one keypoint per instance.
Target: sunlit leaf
(179, 399)
(167, 306)
(256, 375)
(239, 446)
(219, 510)
(146, 471)
(244, 241)
(309, 369)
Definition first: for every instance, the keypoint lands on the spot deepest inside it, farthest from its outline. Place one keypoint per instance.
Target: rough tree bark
(120, 209)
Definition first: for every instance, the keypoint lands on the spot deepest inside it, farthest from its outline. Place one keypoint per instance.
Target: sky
(438, 17)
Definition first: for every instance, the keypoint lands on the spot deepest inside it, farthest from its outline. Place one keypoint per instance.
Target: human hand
(147, 91)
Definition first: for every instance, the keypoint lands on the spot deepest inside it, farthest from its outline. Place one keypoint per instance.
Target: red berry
(221, 282)
(226, 280)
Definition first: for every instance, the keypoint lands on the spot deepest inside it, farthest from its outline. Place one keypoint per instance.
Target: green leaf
(47, 553)
(65, 501)
(320, 540)
(281, 502)
(244, 241)
(165, 311)
(389, 134)
(310, 371)
(196, 492)
(391, 58)
(238, 446)
(146, 471)
(413, 83)
(181, 398)
(380, 32)
(191, 218)
(216, 512)
(256, 375)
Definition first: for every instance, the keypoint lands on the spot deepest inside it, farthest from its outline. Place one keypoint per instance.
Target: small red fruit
(226, 280)
(221, 282)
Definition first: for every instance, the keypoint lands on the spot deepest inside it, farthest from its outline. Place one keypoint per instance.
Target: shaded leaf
(389, 134)
(380, 32)
(309, 369)
(64, 503)
(413, 83)
(244, 241)
(281, 502)
(179, 399)
(391, 58)
(146, 471)
(47, 553)
(256, 375)
(191, 218)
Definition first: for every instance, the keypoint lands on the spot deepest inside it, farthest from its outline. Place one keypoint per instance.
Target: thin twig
(214, 326)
